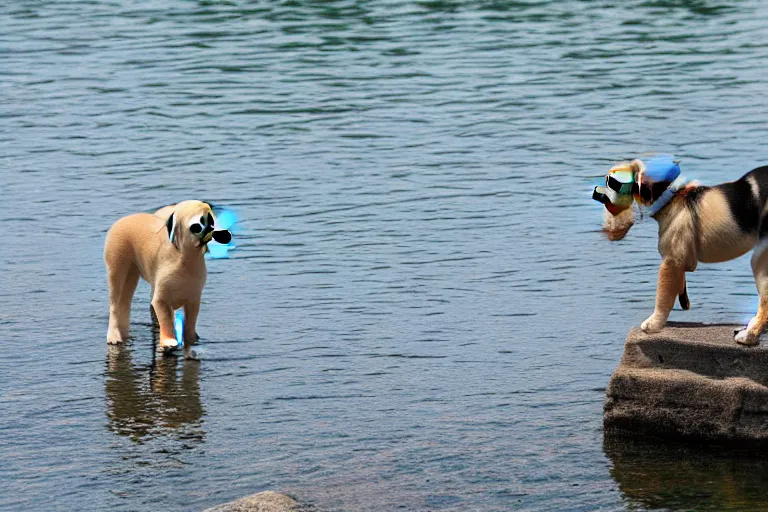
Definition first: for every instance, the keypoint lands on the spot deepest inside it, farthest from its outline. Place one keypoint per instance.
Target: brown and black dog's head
(628, 183)
(618, 196)
(191, 225)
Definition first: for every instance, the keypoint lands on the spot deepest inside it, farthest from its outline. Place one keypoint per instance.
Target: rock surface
(267, 501)
(690, 381)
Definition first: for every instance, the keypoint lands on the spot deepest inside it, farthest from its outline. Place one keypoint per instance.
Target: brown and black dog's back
(746, 198)
(711, 225)
(717, 223)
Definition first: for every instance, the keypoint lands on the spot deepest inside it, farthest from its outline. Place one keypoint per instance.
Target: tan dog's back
(138, 230)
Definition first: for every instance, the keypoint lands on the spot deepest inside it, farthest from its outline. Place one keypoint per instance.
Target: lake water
(421, 313)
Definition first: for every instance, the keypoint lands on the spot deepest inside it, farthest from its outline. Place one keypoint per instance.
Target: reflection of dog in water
(654, 474)
(147, 400)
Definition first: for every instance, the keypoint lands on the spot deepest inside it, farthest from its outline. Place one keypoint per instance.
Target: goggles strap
(667, 195)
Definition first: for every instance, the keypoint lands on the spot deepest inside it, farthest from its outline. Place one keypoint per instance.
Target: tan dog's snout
(204, 226)
(201, 224)
(209, 231)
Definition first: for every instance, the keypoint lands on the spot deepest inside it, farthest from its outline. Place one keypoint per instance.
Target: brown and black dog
(701, 224)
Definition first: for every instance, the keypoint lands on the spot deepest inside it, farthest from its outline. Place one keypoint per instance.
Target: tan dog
(167, 250)
(703, 224)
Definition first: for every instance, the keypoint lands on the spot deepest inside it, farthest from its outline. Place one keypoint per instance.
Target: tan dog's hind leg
(122, 283)
(671, 282)
(164, 315)
(751, 335)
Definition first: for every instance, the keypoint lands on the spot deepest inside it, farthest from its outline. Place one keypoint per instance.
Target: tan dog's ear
(170, 224)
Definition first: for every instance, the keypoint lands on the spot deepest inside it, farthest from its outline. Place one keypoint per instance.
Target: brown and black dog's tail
(685, 303)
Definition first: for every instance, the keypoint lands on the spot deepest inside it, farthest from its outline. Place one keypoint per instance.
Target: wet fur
(711, 225)
(140, 245)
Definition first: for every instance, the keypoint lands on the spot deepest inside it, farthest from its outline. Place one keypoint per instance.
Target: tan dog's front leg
(191, 310)
(164, 314)
(671, 282)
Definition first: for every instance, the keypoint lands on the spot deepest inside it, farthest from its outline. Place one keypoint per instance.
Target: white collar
(667, 195)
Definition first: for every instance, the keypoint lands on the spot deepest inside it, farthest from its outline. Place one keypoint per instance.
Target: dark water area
(421, 313)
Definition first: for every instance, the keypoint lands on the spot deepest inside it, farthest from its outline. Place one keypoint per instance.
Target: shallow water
(421, 313)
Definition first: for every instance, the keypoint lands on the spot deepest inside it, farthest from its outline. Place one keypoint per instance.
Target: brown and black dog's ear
(170, 225)
(637, 165)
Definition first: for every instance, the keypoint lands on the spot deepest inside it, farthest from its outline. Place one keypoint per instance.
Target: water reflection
(658, 474)
(155, 398)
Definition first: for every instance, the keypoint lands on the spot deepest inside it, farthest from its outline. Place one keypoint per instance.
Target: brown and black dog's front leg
(671, 284)
(751, 335)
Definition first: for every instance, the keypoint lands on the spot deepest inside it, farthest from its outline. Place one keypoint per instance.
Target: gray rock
(690, 381)
(267, 501)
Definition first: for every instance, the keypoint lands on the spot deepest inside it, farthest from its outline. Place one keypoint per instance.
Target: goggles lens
(620, 182)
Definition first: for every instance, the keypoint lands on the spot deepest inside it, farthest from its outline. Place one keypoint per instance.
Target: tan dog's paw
(167, 345)
(652, 324)
(114, 337)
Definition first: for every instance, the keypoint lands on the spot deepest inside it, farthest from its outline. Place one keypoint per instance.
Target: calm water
(421, 314)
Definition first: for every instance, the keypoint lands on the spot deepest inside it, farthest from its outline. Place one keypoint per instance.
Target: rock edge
(267, 501)
(690, 381)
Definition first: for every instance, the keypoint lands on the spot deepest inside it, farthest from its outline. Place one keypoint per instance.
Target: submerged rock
(267, 501)
(690, 381)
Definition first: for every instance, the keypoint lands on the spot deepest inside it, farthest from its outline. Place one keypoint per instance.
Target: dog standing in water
(696, 224)
(167, 249)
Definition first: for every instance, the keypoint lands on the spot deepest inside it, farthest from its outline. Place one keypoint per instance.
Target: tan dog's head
(191, 226)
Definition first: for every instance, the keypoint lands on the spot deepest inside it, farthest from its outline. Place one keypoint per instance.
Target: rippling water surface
(421, 313)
